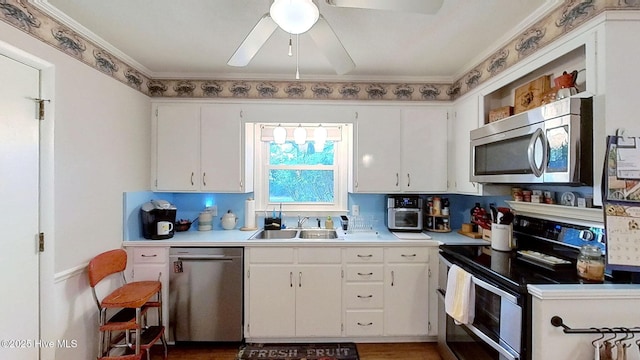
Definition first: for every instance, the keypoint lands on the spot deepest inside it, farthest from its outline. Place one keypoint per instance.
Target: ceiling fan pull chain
(297, 56)
(290, 45)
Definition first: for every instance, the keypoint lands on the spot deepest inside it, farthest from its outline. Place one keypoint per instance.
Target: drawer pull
(144, 255)
(365, 256)
(367, 324)
(365, 296)
(405, 255)
(365, 274)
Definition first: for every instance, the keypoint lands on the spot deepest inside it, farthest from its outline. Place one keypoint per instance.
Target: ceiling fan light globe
(294, 16)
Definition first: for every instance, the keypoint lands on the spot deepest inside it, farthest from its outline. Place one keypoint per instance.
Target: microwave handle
(538, 134)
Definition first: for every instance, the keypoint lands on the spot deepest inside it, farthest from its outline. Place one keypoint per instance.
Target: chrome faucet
(301, 220)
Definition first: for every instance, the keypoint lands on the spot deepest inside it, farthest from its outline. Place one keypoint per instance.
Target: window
(306, 176)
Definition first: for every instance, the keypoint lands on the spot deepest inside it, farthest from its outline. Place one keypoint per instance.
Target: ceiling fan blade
(419, 6)
(324, 37)
(253, 41)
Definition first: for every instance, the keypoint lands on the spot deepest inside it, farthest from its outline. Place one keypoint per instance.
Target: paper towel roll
(250, 213)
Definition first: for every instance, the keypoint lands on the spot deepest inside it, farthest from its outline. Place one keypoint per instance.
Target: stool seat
(131, 295)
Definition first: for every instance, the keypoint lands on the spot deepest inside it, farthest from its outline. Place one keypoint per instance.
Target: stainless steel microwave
(549, 144)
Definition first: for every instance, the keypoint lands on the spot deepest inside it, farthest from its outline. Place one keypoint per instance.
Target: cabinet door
(406, 305)
(424, 149)
(222, 149)
(377, 150)
(466, 119)
(178, 147)
(272, 301)
(319, 300)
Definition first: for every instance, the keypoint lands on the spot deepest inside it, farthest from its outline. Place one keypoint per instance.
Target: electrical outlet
(355, 210)
(213, 209)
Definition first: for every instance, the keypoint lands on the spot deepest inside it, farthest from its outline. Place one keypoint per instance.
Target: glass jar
(590, 265)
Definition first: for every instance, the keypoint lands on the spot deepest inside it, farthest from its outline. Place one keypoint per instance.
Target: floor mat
(322, 351)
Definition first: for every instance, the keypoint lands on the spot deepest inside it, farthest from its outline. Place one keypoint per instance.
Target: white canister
(205, 221)
(502, 237)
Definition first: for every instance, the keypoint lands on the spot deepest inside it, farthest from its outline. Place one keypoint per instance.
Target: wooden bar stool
(130, 303)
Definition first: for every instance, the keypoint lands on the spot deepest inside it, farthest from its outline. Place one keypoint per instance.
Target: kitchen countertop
(224, 238)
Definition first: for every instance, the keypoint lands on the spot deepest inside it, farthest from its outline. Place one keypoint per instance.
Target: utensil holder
(502, 237)
(271, 223)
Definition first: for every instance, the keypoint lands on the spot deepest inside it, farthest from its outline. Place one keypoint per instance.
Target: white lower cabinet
(294, 292)
(334, 292)
(406, 300)
(152, 263)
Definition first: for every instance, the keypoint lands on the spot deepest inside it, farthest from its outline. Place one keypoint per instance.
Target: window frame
(342, 165)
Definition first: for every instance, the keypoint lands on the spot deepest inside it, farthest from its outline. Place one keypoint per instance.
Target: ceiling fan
(300, 16)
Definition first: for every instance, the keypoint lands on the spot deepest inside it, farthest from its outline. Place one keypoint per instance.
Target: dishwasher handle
(202, 257)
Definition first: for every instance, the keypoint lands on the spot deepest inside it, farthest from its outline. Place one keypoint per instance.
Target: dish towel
(459, 300)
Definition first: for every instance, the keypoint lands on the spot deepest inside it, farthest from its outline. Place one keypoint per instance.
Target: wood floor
(395, 351)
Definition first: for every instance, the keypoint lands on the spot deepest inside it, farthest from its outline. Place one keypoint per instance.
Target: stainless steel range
(547, 254)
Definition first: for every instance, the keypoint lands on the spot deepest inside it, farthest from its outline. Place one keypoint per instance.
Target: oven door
(496, 330)
(510, 156)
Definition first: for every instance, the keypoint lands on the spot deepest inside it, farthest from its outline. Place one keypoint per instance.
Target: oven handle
(485, 285)
(507, 352)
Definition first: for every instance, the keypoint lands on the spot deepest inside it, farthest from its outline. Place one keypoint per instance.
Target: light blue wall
(190, 205)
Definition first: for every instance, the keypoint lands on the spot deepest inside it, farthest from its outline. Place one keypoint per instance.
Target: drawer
(364, 323)
(320, 255)
(366, 272)
(407, 255)
(364, 296)
(364, 255)
(150, 255)
(270, 255)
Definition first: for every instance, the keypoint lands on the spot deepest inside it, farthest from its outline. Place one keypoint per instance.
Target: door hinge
(41, 110)
(156, 112)
(429, 325)
(248, 274)
(342, 274)
(429, 272)
(41, 242)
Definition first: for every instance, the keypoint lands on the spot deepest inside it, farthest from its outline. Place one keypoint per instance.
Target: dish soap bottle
(328, 224)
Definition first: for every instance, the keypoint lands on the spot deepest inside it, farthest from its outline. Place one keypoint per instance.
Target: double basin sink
(296, 234)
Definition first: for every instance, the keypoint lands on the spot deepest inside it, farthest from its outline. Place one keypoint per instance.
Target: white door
(377, 152)
(221, 144)
(406, 300)
(319, 301)
(178, 147)
(19, 191)
(424, 149)
(272, 301)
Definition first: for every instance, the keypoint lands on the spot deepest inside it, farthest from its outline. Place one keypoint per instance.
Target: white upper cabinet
(226, 148)
(202, 148)
(177, 148)
(465, 119)
(400, 150)
(424, 149)
(377, 150)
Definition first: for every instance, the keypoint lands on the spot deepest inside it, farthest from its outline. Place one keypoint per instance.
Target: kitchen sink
(296, 234)
(276, 234)
(318, 234)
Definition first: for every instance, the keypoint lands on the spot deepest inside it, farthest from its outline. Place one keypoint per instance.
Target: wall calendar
(622, 203)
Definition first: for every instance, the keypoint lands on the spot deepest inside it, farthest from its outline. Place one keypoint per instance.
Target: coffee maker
(158, 218)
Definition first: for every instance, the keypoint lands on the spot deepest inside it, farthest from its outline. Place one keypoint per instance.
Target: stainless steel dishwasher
(205, 294)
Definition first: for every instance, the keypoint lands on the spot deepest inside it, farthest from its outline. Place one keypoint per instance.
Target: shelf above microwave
(590, 216)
